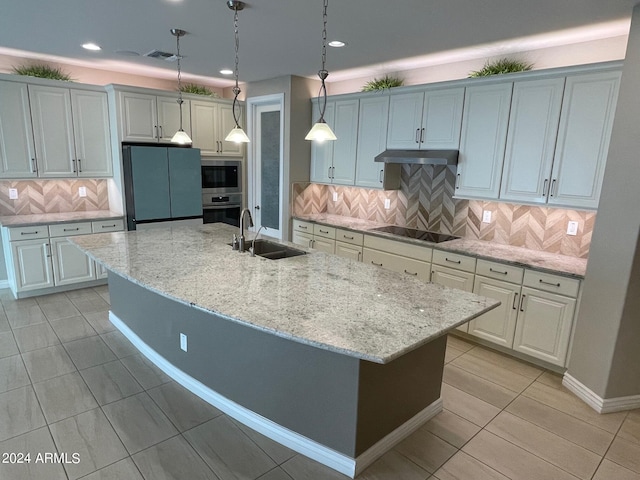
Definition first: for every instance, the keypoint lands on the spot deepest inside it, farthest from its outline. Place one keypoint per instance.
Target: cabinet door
(588, 109)
(397, 263)
(372, 134)
(101, 271)
(533, 128)
(70, 264)
(344, 148)
(452, 278)
(544, 325)
(185, 182)
(346, 250)
(169, 117)
(32, 263)
(17, 152)
(442, 119)
(91, 133)
(405, 121)
(498, 325)
(225, 124)
(483, 140)
(53, 131)
(139, 117)
(150, 179)
(203, 124)
(324, 245)
(322, 152)
(302, 239)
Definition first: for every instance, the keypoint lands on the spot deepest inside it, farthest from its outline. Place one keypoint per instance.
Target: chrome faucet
(241, 237)
(252, 249)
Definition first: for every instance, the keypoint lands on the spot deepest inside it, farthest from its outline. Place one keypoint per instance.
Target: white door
(265, 163)
(139, 117)
(372, 135)
(498, 325)
(91, 133)
(405, 120)
(17, 153)
(70, 264)
(31, 259)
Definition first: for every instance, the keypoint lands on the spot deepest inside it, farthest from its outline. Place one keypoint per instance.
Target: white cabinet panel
(169, 117)
(203, 124)
(302, 239)
(452, 278)
(70, 264)
(32, 264)
(405, 121)
(226, 124)
(324, 244)
(397, 263)
(17, 151)
(344, 148)
(91, 133)
(498, 325)
(442, 119)
(347, 250)
(372, 134)
(139, 117)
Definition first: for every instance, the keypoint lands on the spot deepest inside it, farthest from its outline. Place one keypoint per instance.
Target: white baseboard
(296, 442)
(599, 404)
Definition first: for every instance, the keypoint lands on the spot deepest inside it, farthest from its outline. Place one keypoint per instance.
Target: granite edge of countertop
(519, 256)
(52, 218)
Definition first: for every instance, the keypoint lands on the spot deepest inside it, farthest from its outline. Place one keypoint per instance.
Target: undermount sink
(272, 250)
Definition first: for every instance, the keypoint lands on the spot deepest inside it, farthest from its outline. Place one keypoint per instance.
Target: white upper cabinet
(139, 117)
(17, 151)
(322, 152)
(533, 127)
(588, 109)
(372, 134)
(210, 124)
(91, 133)
(227, 123)
(425, 120)
(169, 117)
(483, 139)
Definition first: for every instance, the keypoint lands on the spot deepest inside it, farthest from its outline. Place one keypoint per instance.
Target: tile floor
(70, 383)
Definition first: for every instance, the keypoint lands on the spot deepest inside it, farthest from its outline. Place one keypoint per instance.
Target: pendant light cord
(236, 89)
(323, 74)
(180, 101)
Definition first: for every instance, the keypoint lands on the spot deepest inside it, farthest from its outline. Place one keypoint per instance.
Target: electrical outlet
(335, 196)
(486, 216)
(572, 228)
(387, 203)
(13, 194)
(82, 191)
(183, 342)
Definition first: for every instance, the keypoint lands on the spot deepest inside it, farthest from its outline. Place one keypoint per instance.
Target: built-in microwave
(221, 176)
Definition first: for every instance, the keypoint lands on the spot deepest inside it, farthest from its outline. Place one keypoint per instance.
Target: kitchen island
(332, 358)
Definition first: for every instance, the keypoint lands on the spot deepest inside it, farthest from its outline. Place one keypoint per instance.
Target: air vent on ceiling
(169, 57)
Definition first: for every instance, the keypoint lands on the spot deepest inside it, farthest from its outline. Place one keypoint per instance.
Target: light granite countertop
(49, 218)
(317, 299)
(523, 257)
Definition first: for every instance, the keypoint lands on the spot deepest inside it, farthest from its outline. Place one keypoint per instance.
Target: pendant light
(236, 134)
(321, 131)
(181, 136)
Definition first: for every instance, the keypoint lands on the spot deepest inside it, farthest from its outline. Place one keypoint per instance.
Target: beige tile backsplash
(53, 196)
(425, 200)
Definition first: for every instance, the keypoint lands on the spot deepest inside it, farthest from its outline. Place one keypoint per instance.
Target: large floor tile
(19, 412)
(90, 304)
(172, 459)
(491, 371)
(8, 345)
(91, 436)
(630, 429)
(100, 321)
(278, 453)
(511, 460)
(303, 468)
(477, 386)
(464, 467)
(625, 453)
(23, 316)
(392, 465)
(551, 379)
(275, 474)
(122, 470)
(145, 372)
(459, 343)
(85, 293)
(72, 328)
(467, 406)
(562, 424)
(33, 443)
(183, 408)
(612, 471)
(110, 382)
(35, 337)
(228, 451)
(502, 360)
(89, 352)
(426, 450)
(119, 344)
(12, 373)
(51, 298)
(139, 422)
(452, 428)
(63, 397)
(59, 309)
(4, 323)
(47, 363)
(451, 354)
(560, 452)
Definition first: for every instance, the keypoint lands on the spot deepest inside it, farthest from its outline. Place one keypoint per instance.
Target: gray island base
(323, 392)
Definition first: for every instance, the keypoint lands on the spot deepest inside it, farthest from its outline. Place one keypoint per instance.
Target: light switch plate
(82, 191)
(335, 196)
(13, 194)
(183, 342)
(387, 203)
(572, 228)
(486, 216)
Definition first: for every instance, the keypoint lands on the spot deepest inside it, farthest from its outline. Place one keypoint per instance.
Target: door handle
(73, 162)
(417, 135)
(79, 165)
(381, 176)
(544, 187)
(498, 271)
(551, 190)
(457, 181)
(34, 166)
(410, 273)
(156, 128)
(422, 136)
(453, 261)
(549, 283)
(329, 172)
(257, 207)
(160, 127)
(48, 247)
(522, 302)
(515, 301)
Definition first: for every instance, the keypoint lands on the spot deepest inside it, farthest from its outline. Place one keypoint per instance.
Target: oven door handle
(222, 206)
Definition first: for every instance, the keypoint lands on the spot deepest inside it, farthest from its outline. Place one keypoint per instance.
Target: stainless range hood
(419, 157)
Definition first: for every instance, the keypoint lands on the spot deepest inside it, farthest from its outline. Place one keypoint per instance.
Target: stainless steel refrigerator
(162, 184)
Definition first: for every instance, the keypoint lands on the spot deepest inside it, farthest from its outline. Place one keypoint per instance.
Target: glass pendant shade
(237, 135)
(321, 132)
(181, 138)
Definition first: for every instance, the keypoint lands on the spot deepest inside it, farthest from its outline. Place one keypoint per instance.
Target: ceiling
(279, 37)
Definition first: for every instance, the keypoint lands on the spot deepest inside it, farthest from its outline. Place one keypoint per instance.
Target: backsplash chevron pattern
(425, 201)
(53, 196)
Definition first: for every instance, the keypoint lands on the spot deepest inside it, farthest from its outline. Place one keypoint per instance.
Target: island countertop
(317, 299)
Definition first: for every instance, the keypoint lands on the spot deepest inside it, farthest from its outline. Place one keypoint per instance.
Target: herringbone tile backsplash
(425, 201)
(53, 196)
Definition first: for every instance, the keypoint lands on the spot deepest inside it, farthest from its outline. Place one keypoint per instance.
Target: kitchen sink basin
(272, 250)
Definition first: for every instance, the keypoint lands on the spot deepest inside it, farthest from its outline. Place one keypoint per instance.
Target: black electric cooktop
(425, 235)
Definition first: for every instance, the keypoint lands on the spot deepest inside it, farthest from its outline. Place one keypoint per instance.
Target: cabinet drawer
(100, 226)
(324, 231)
(500, 271)
(28, 233)
(551, 283)
(397, 263)
(399, 248)
(69, 229)
(302, 226)
(454, 260)
(347, 236)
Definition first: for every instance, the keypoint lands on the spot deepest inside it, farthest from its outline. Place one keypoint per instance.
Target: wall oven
(221, 208)
(221, 177)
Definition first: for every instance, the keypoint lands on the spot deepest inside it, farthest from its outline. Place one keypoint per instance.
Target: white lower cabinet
(400, 257)
(324, 245)
(458, 273)
(346, 250)
(302, 239)
(70, 264)
(32, 264)
(499, 324)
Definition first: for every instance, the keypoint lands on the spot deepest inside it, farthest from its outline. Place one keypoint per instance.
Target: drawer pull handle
(515, 301)
(323, 231)
(410, 273)
(376, 264)
(49, 253)
(108, 226)
(302, 226)
(29, 233)
(498, 271)
(452, 261)
(522, 302)
(549, 283)
(70, 229)
(348, 238)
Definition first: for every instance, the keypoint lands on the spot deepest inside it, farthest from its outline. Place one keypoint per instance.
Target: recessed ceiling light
(91, 46)
(226, 71)
(336, 43)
